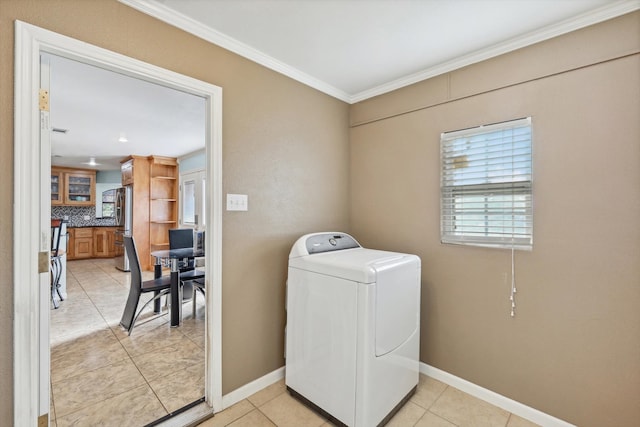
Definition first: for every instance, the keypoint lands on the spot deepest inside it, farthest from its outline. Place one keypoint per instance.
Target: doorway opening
(32, 211)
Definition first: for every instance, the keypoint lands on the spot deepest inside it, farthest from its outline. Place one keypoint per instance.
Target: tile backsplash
(76, 215)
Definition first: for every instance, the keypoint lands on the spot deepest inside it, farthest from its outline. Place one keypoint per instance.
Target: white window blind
(486, 197)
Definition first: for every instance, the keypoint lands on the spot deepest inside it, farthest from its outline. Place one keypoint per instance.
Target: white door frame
(32, 218)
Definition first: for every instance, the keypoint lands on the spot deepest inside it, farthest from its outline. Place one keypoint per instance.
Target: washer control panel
(326, 242)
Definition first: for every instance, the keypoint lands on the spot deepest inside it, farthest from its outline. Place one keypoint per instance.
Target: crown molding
(595, 16)
(185, 23)
(171, 17)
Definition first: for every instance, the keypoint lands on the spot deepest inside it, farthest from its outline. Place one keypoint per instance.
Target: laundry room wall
(573, 348)
(285, 145)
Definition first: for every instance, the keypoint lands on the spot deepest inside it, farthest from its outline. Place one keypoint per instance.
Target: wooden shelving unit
(163, 206)
(154, 180)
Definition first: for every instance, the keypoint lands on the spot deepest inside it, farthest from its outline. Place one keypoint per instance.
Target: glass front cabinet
(73, 187)
(57, 188)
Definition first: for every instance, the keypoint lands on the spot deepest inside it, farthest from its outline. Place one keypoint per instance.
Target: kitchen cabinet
(111, 242)
(57, 187)
(100, 243)
(104, 242)
(73, 187)
(71, 241)
(92, 242)
(83, 243)
(127, 171)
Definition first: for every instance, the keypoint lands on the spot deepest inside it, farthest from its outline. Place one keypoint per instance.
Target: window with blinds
(485, 184)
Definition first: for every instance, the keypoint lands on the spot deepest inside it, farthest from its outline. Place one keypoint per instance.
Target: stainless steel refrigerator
(124, 221)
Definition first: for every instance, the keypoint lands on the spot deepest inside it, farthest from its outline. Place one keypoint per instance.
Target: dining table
(171, 258)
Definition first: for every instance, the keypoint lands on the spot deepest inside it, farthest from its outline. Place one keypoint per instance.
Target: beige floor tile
(150, 337)
(427, 392)
(136, 407)
(176, 357)
(229, 415)
(268, 393)
(74, 318)
(146, 322)
(83, 348)
(408, 415)
(463, 409)
(86, 353)
(516, 421)
(86, 389)
(429, 419)
(285, 411)
(180, 388)
(255, 418)
(193, 328)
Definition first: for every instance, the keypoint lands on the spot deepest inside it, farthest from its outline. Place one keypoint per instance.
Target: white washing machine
(353, 328)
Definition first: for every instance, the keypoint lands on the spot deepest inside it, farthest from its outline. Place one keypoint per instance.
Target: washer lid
(357, 264)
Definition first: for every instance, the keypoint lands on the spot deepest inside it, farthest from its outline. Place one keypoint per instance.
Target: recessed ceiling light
(123, 138)
(91, 162)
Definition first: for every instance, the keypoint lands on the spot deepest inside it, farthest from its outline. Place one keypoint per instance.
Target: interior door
(192, 196)
(45, 241)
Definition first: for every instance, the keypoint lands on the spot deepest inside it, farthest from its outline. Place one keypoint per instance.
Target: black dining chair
(183, 238)
(159, 287)
(198, 286)
(56, 261)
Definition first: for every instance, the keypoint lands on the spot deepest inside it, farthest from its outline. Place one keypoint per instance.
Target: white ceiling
(356, 49)
(97, 107)
(349, 49)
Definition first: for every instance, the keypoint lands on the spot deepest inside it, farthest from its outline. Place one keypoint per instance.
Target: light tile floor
(433, 405)
(102, 376)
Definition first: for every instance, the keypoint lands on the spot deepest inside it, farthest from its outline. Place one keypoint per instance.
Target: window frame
(510, 185)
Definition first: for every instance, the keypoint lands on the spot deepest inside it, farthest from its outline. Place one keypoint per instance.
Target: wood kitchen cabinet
(100, 243)
(82, 243)
(57, 187)
(104, 242)
(71, 240)
(92, 242)
(73, 187)
(127, 171)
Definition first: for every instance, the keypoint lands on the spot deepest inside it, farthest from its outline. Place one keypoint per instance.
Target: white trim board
(493, 398)
(254, 386)
(474, 390)
(31, 217)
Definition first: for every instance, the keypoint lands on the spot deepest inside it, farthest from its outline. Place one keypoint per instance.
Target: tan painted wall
(573, 349)
(280, 139)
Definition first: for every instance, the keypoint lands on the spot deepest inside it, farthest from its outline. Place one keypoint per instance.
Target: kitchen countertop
(94, 226)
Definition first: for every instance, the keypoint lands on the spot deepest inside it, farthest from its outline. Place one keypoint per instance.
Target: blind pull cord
(513, 283)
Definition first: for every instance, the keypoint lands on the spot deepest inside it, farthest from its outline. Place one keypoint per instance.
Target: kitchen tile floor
(101, 376)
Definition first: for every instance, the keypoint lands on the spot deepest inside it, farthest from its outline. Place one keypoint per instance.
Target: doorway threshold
(187, 416)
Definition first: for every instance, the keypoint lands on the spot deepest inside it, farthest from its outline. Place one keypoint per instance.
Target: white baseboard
(495, 399)
(255, 386)
(510, 405)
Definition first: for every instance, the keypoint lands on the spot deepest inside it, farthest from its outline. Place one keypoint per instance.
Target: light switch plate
(237, 202)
